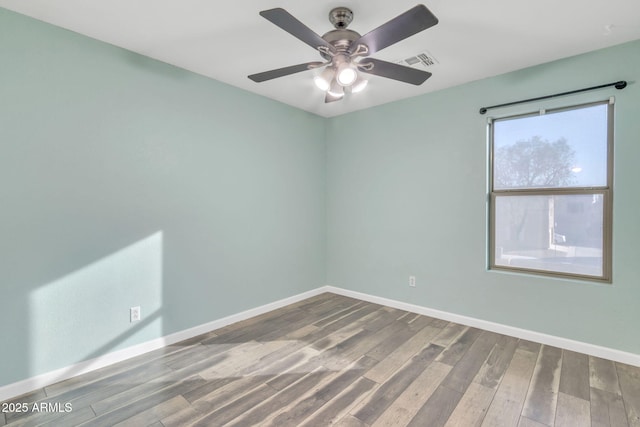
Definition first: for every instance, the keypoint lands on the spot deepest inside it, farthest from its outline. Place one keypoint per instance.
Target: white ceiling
(229, 40)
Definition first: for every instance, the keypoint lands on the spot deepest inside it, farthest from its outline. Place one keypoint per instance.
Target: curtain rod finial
(483, 110)
(621, 84)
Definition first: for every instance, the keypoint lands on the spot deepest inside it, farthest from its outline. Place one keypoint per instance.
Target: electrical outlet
(134, 314)
(412, 281)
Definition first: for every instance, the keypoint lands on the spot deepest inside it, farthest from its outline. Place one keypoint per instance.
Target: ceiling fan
(346, 52)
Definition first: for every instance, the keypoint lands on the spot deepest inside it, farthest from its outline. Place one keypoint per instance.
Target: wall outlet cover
(135, 314)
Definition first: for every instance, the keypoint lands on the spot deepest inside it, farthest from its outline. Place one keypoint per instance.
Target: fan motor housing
(340, 39)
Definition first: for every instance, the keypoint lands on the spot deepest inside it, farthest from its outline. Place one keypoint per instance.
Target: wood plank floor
(333, 360)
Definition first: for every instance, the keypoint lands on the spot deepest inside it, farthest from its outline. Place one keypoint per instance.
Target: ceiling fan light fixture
(347, 75)
(324, 79)
(336, 90)
(321, 83)
(359, 85)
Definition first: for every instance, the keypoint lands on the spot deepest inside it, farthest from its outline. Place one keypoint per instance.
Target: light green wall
(406, 195)
(125, 181)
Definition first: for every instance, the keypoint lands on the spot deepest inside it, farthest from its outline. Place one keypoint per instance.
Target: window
(550, 192)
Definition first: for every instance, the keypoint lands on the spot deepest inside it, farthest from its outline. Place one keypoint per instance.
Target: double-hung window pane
(551, 192)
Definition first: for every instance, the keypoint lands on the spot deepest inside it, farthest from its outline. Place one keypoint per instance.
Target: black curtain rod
(619, 85)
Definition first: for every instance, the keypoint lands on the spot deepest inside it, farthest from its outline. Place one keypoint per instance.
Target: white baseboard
(30, 384)
(564, 343)
(16, 389)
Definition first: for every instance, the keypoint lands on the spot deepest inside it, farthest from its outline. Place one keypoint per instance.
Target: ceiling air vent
(421, 60)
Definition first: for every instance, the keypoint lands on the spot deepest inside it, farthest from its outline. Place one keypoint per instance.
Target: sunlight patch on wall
(87, 311)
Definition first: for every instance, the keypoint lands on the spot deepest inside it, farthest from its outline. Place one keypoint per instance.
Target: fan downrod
(340, 17)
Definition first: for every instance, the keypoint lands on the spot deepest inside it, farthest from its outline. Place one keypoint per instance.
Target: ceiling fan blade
(280, 72)
(290, 24)
(393, 71)
(413, 21)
